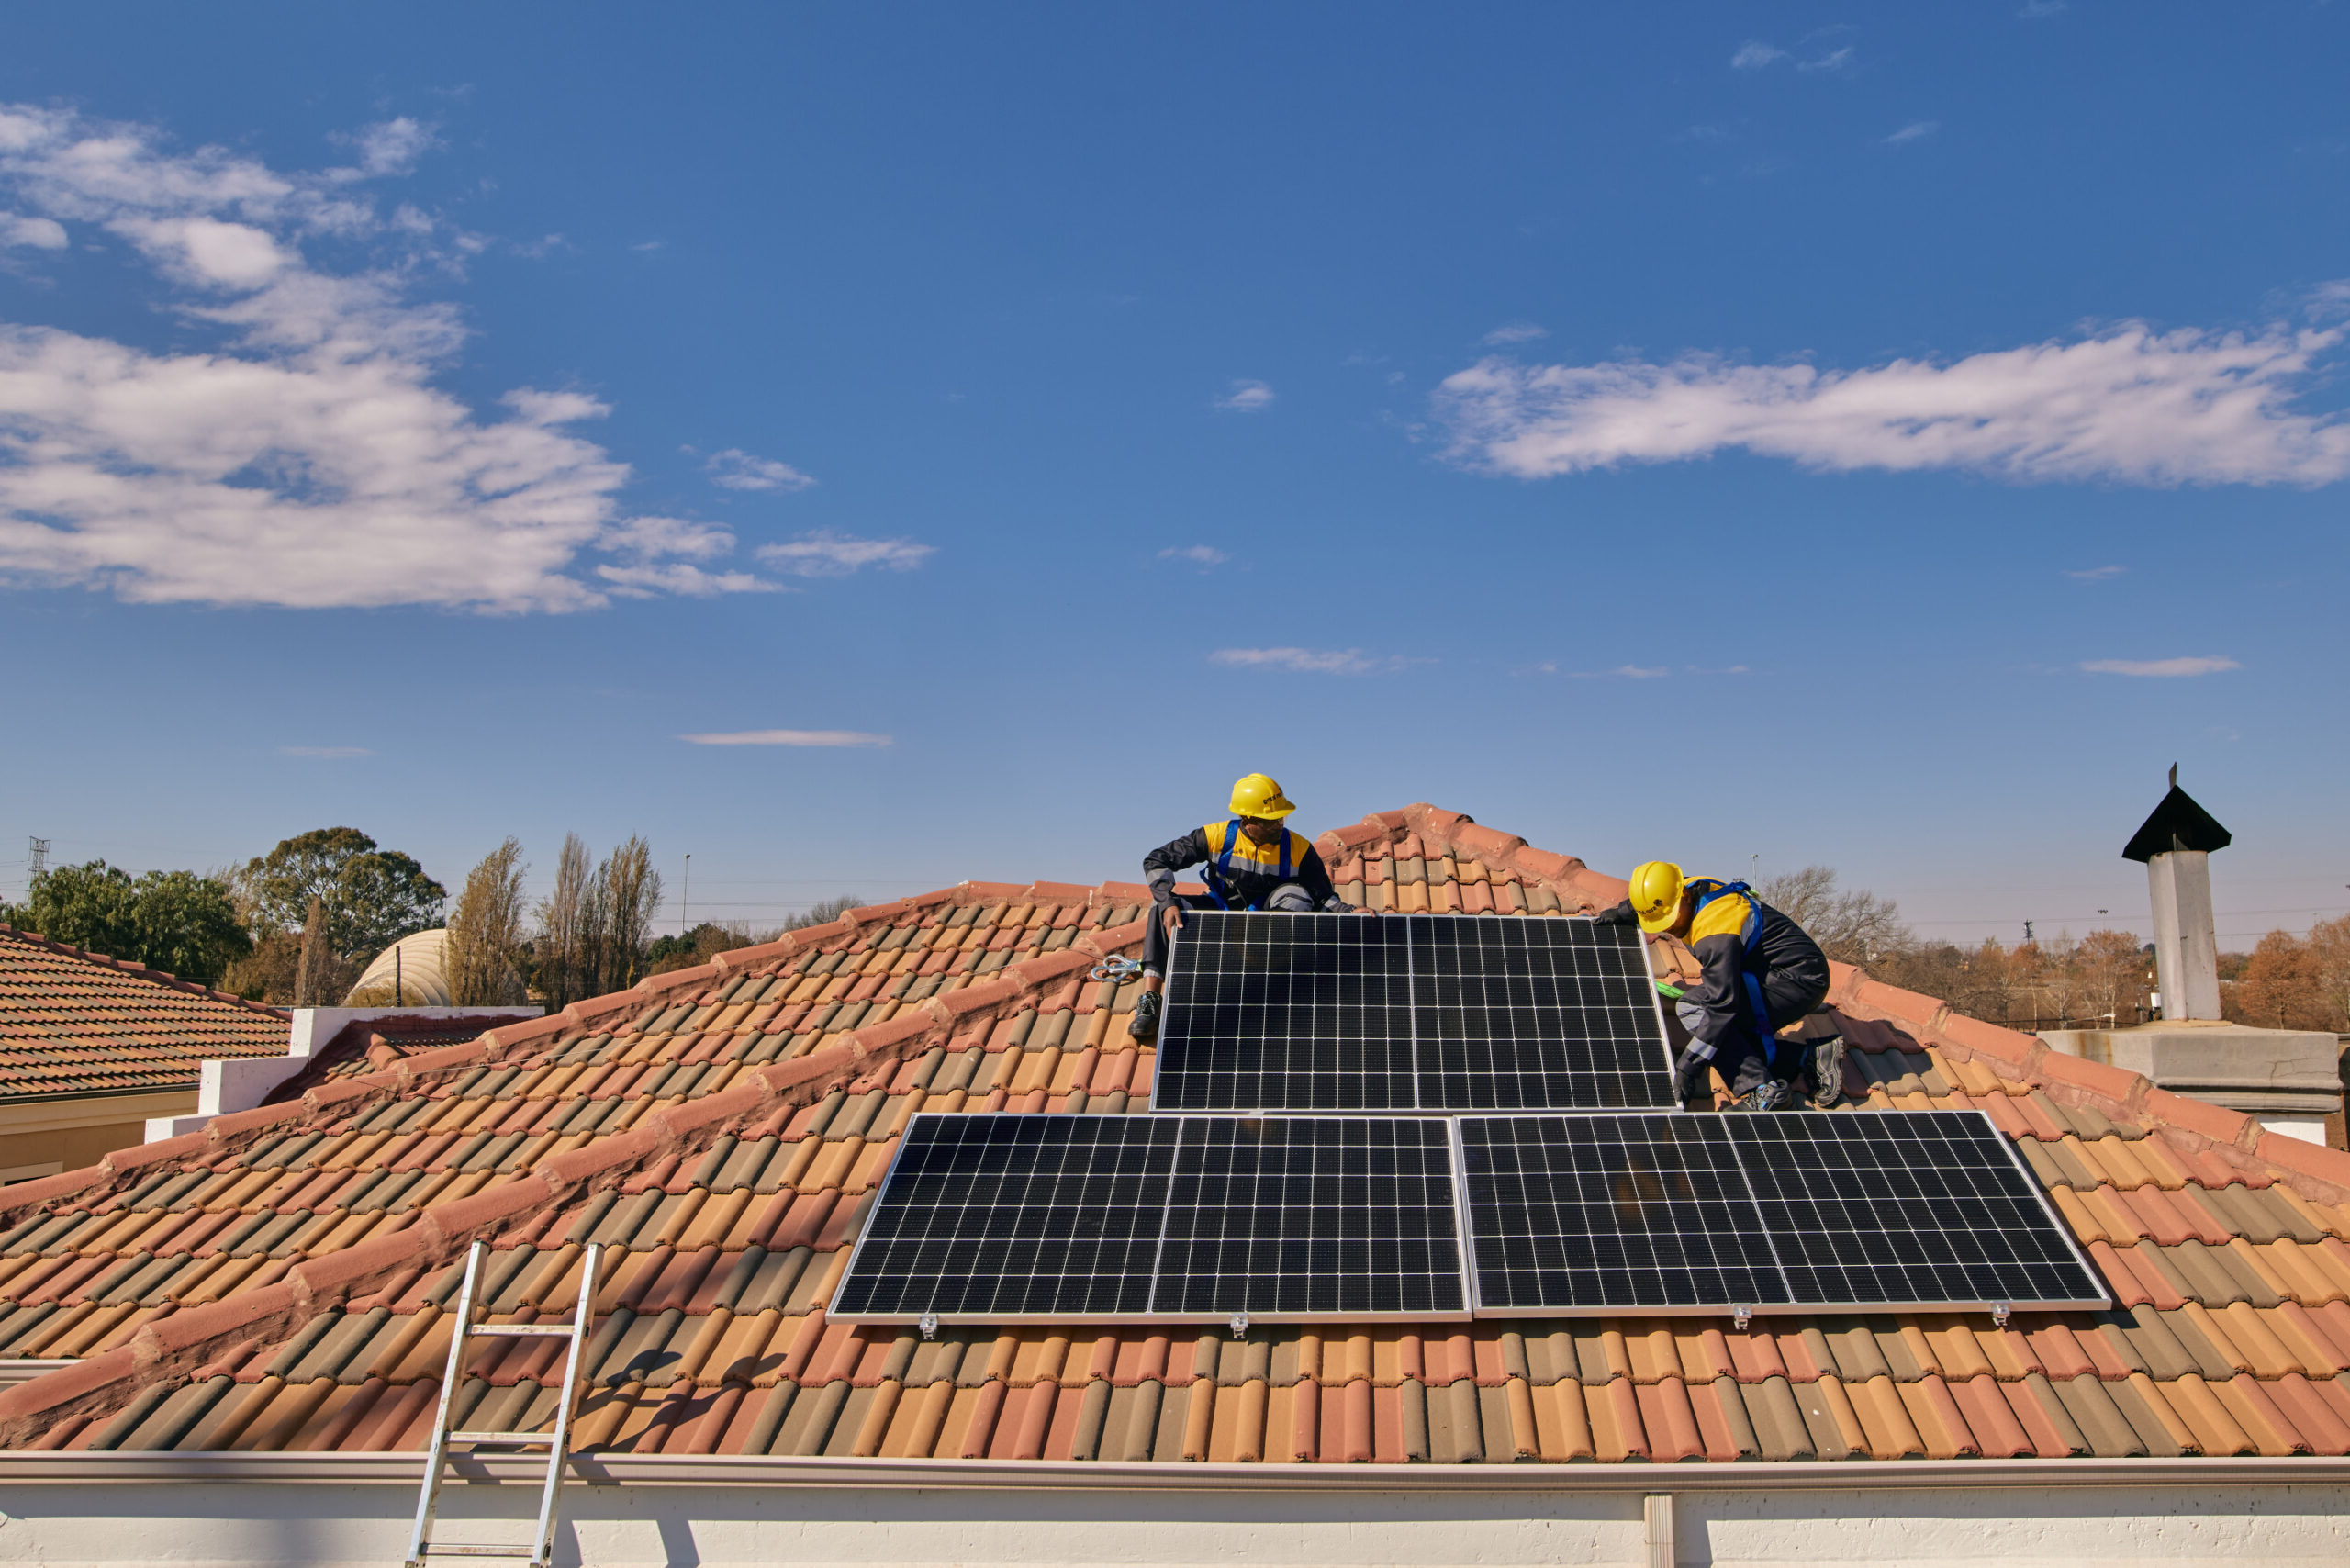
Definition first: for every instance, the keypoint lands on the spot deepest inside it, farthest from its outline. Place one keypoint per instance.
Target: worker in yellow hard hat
(1762, 974)
(1251, 861)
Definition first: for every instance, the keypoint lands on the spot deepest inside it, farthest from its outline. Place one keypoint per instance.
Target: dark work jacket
(1746, 946)
(1251, 880)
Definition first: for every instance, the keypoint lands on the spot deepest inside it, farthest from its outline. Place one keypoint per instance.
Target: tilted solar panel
(1116, 1218)
(1915, 1208)
(1665, 1212)
(1408, 1013)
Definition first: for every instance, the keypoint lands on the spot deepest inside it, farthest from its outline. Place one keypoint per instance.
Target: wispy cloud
(1621, 672)
(2210, 664)
(1755, 54)
(1516, 332)
(393, 147)
(1247, 397)
(735, 469)
(825, 554)
(37, 234)
(296, 452)
(2096, 574)
(1916, 130)
(326, 753)
(1834, 60)
(2130, 405)
(1309, 661)
(2042, 10)
(786, 737)
(1198, 554)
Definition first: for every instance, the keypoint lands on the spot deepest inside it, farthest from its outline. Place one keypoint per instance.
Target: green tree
(484, 941)
(372, 897)
(174, 921)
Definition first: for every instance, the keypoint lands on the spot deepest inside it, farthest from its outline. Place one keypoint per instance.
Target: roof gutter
(759, 1470)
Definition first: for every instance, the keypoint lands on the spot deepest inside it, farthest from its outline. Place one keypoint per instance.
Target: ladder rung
(530, 1331)
(468, 1549)
(502, 1437)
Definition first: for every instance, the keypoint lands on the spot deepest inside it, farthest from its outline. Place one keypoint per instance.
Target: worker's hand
(1170, 915)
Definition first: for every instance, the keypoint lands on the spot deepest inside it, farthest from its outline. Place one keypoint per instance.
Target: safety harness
(1218, 877)
(1750, 935)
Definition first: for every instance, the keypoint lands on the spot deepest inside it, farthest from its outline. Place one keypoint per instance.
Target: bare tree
(823, 913)
(627, 896)
(486, 934)
(565, 968)
(1853, 927)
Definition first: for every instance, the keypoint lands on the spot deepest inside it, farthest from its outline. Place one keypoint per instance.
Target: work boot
(1827, 1072)
(1771, 1094)
(1145, 1025)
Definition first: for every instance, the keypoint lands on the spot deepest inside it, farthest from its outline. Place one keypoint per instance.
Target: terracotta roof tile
(74, 1022)
(286, 1273)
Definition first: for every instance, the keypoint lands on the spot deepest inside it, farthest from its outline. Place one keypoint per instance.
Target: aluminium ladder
(541, 1550)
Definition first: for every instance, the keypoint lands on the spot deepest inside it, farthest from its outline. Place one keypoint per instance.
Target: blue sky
(1752, 436)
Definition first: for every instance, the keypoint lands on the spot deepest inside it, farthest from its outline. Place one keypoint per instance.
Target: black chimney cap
(2178, 824)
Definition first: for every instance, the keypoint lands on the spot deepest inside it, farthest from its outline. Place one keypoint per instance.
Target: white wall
(320, 1522)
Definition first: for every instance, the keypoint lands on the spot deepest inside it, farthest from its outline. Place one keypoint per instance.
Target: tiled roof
(77, 1022)
(279, 1282)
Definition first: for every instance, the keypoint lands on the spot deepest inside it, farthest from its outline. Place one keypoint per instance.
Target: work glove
(1335, 905)
(1620, 915)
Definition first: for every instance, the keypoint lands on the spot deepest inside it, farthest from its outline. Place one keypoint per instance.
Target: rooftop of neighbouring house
(279, 1280)
(75, 1023)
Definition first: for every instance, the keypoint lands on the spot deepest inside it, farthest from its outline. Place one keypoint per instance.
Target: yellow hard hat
(1258, 796)
(1656, 894)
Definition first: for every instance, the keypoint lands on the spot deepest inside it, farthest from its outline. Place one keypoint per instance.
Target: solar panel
(1116, 1218)
(1676, 1212)
(1603, 1212)
(1311, 1216)
(1915, 1208)
(1408, 1013)
(991, 1217)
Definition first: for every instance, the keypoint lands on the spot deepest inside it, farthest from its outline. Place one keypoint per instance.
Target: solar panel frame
(1178, 1128)
(1745, 1138)
(1458, 1051)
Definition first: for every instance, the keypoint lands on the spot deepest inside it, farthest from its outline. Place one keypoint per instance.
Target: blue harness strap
(1220, 870)
(1747, 936)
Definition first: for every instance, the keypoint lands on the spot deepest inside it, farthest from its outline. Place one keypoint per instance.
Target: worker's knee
(1291, 899)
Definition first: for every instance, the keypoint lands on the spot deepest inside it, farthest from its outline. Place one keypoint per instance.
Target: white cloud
(40, 233)
(2132, 406)
(300, 455)
(787, 737)
(2207, 666)
(1307, 661)
(2042, 10)
(1916, 130)
(393, 147)
(1621, 672)
(1834, 60)
(825, 554)
(735, 469)
(1755, 54)
(2096, 574)
(1198, 554)
(326, 753)
(1516, 332)
(1637, 672)
(1247, 397)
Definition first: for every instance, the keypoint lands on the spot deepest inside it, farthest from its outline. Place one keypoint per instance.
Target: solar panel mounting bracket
(1744, 1319)
(928, 1324)
(1240, 1325)
(1999, 1314)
